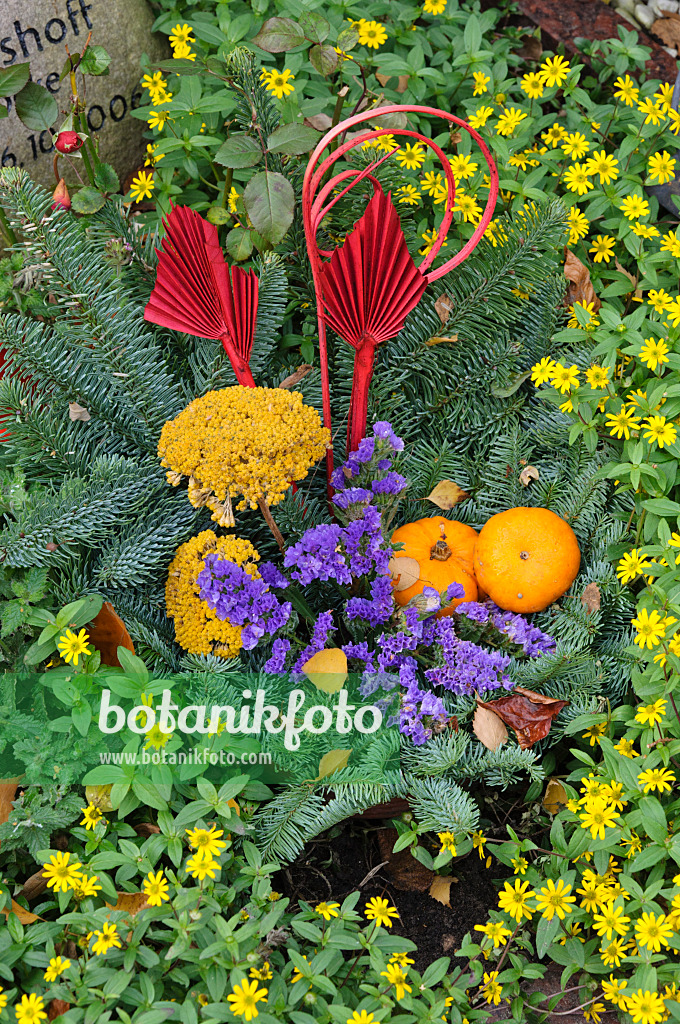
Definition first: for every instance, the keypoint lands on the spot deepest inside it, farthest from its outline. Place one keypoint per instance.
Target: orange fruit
(525, 558)
(436, 552)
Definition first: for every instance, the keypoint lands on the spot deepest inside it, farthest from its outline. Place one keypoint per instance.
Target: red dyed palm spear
(371, 284)
(195, 291)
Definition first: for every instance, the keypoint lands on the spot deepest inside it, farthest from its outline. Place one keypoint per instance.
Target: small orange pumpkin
(525, 558)
(436, 552)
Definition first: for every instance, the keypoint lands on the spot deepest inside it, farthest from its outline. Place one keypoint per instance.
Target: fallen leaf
(146, 828)
(405, 571)
(402, 84)
(633, 280)
(440, 889)
(528, 474)
(590, 598)
(25, 916)
(108, 633)
(56, 1007)
(531, 48)
(580, 286)
(34, 886)
(667, 29)
(528, 713)
(327, 669)
(489, 729)
(78, 412)
(446, 494)
(439, 339)
(443, 307)
(8, 790)
(406, 872)
(455, 138)
(322, 122)
(331, 762)
(295, 378)
(555, 797)
(130, 902)
(100, 796)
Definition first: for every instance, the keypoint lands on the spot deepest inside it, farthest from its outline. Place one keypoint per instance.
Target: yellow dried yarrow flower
(248, 441)
(197, 628)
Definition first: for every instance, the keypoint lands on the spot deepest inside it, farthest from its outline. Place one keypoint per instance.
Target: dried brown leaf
(130, 902)
(406, 872)
(489, 729)
(402, 84)
(591, 598)
(555, 797)
(322, 122)
(78, 412)
(405, 570)
(440, 889)
(528, 474)
(446, 494)
(295, 378)
(631, 277)
(25, 916)
(531, 48)
(580, 286)
(108, 633)
(443, 307)
(56, 1007)
(529, 714)
(667, 29)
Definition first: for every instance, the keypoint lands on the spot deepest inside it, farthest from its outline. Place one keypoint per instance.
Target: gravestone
(39, 31)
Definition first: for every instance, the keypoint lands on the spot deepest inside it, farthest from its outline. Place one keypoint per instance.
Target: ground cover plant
(497, 392)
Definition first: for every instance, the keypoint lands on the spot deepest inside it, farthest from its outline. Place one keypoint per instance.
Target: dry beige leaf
(531, 48)
(295, 378)
(322, 122)
(25, 916)
(631, 277)
(438, 339)
(405, 570)
(555, 797)
(78, 412)
(56, 1007)
(402, 84)
(489, 729)
(580, 286)
(667, 29)
(34, 886)
(131, 902)
(528, 474)
(455, 138)
(327, 669)
(446, 494)
(440, 889)
(591, 598)
(100, 796)
(443, 307)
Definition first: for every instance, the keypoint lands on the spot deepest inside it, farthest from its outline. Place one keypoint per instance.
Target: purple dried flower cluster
(531, 639)
(420, 712)
(323, 627)
(368, 472)
(244, 601)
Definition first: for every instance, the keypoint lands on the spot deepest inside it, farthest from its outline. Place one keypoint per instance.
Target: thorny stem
(269, 519)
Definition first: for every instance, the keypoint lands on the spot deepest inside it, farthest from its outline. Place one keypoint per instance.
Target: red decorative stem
(358, 412)
(239, 365)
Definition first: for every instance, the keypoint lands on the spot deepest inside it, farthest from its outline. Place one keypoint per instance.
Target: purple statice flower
(420, 711)
(454, 591)
(244, 601)
(384, 464)
(322, 628)
(364, 544)
(393, 647)
(393, 483)
(351, 496)
(317, 556)
(376, 609)
(361, 652)
(384, 431)
(363, 454)
(277, 662)
(530, 638)
(475, 611)
(271, 575)
(465, 666)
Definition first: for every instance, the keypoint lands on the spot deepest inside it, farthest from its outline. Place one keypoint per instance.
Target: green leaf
(292, 139)
(324, 59)
(4, 112)
(133, 666)
(348, 38)
(218, 215)
(239, 243)
(314, 26)
(278, 35)
(270, 202)
(36, 107)
(95, 61)
(180, 66)
(148, 793)
(13, 79)
(545, 935)
(88, 200)
(662, 506)
(239, 150)
(654, 819)
(106, 178)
